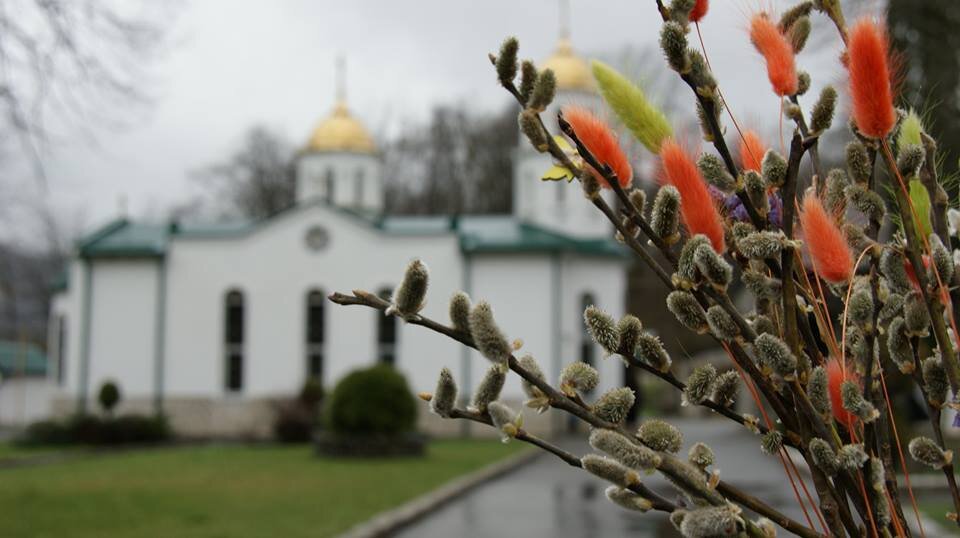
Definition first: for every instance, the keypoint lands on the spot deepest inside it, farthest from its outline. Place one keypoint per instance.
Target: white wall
(24, 400)
(348, 170)
(275, 270)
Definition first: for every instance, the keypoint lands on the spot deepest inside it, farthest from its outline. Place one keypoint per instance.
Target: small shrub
(46, 432)
(373, 400)
(311, 394)
(92, 430)
(109, 396)
(293, 423)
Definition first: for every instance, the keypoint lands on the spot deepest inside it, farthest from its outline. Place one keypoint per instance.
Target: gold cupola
(572, 72)
(341, 131)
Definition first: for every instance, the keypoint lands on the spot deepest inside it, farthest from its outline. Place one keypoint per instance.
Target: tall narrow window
(315, 334)
(588, 349)
(233, 341)
(61, 348)
(386, 334)
(358, 188)
(329, 186)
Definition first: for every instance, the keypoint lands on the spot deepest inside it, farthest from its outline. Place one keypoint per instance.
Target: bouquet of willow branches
(876, 236)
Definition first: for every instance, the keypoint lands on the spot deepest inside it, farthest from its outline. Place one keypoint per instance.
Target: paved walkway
(548, 499)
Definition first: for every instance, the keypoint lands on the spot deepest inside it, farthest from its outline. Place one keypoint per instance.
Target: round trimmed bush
(109, 396)
(374, 401)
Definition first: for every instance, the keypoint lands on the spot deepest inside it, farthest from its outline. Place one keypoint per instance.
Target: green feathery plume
(643, 119)
(910, 130)
(921, 202)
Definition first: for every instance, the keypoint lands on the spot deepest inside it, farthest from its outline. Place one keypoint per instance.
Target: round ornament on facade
(317, 238)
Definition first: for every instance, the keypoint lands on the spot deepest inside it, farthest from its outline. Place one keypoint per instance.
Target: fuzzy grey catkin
(721, 323)
(835, 198)
(739, 230)
(893, 269)
(910, 159)
(818, 391)
(622, 449)
(699, 384)
(504, 419)
(610, 470)
(942, 261)
(924, 450)
(615, 404)
(638, 197)
(774, 353)
(773, 168)
(892, 308)
(715, 172)
(866, 201)
(627, 499)
(798, 34)
(665, 214)
(710, 522)
(660, 435)
(688, 275)
(506, 64)
(763, 325)
(713, 267)
(700, 73)
(793, 14)
(543, 91)
(460, 311)
(756, 189)
(898, 346)
(857, 240)
(688, 311)
(824, 457)
(915, 314)
(490, 386)
(528, 79)
(673, 42)
(408, 298)
(651, 350)
(487, 336)
(822, 115)
(803, 82)
(445, 397)
(602, 328)
(935, 381)
(877, 478)
(858, 163)
(529, 123)
(630, 328)
(680, 10)
(761, 285)
(851, 457)
(578, 376)
(701, 456)
(854, 402)
(725, 388)
(771, 442)
(761, 245)
(860, 307)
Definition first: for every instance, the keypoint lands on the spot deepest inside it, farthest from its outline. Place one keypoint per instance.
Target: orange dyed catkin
(601, 141)
(752, 151)
(871, 94)
(699, 10)
(697, 207)
(777, 52)
(825, 242)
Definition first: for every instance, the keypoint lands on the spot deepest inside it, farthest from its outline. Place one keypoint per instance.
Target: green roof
(25, 358)
(477, 234)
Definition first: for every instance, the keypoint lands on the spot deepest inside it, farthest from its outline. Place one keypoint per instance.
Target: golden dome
(572, 72)
(341, 132)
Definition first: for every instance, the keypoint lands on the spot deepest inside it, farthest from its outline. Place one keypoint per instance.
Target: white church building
(212, 324)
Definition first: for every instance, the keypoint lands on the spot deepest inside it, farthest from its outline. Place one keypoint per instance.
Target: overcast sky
(234, 64)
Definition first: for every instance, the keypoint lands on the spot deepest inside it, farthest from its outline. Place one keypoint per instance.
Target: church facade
(212, 324)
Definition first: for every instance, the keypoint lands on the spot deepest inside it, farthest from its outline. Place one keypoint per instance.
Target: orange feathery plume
(778, 53)
(825, 241)
(697, 207)
(699, 10)
(868, 60)
(835, 378)
(601, 141)
(752, 151)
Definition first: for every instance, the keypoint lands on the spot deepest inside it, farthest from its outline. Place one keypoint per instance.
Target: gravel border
(389, 522)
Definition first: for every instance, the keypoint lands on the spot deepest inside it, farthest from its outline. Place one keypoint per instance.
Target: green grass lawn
(223, 491)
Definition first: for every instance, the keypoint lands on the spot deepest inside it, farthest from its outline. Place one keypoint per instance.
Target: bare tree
(77, 61)
(257, 180)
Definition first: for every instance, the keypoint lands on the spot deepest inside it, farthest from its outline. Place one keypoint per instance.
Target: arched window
(61, 348)
(588, 349)
(386, 333)
(315, 334)
(328, 189)
(358, 188)
(233, 338)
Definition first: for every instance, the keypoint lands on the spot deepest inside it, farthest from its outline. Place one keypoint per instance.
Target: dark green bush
(294, 423)
(109, 396)
(93, 430)
(374, 400)
(311, 394)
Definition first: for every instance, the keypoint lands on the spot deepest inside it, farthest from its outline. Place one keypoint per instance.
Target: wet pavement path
(548, 498)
